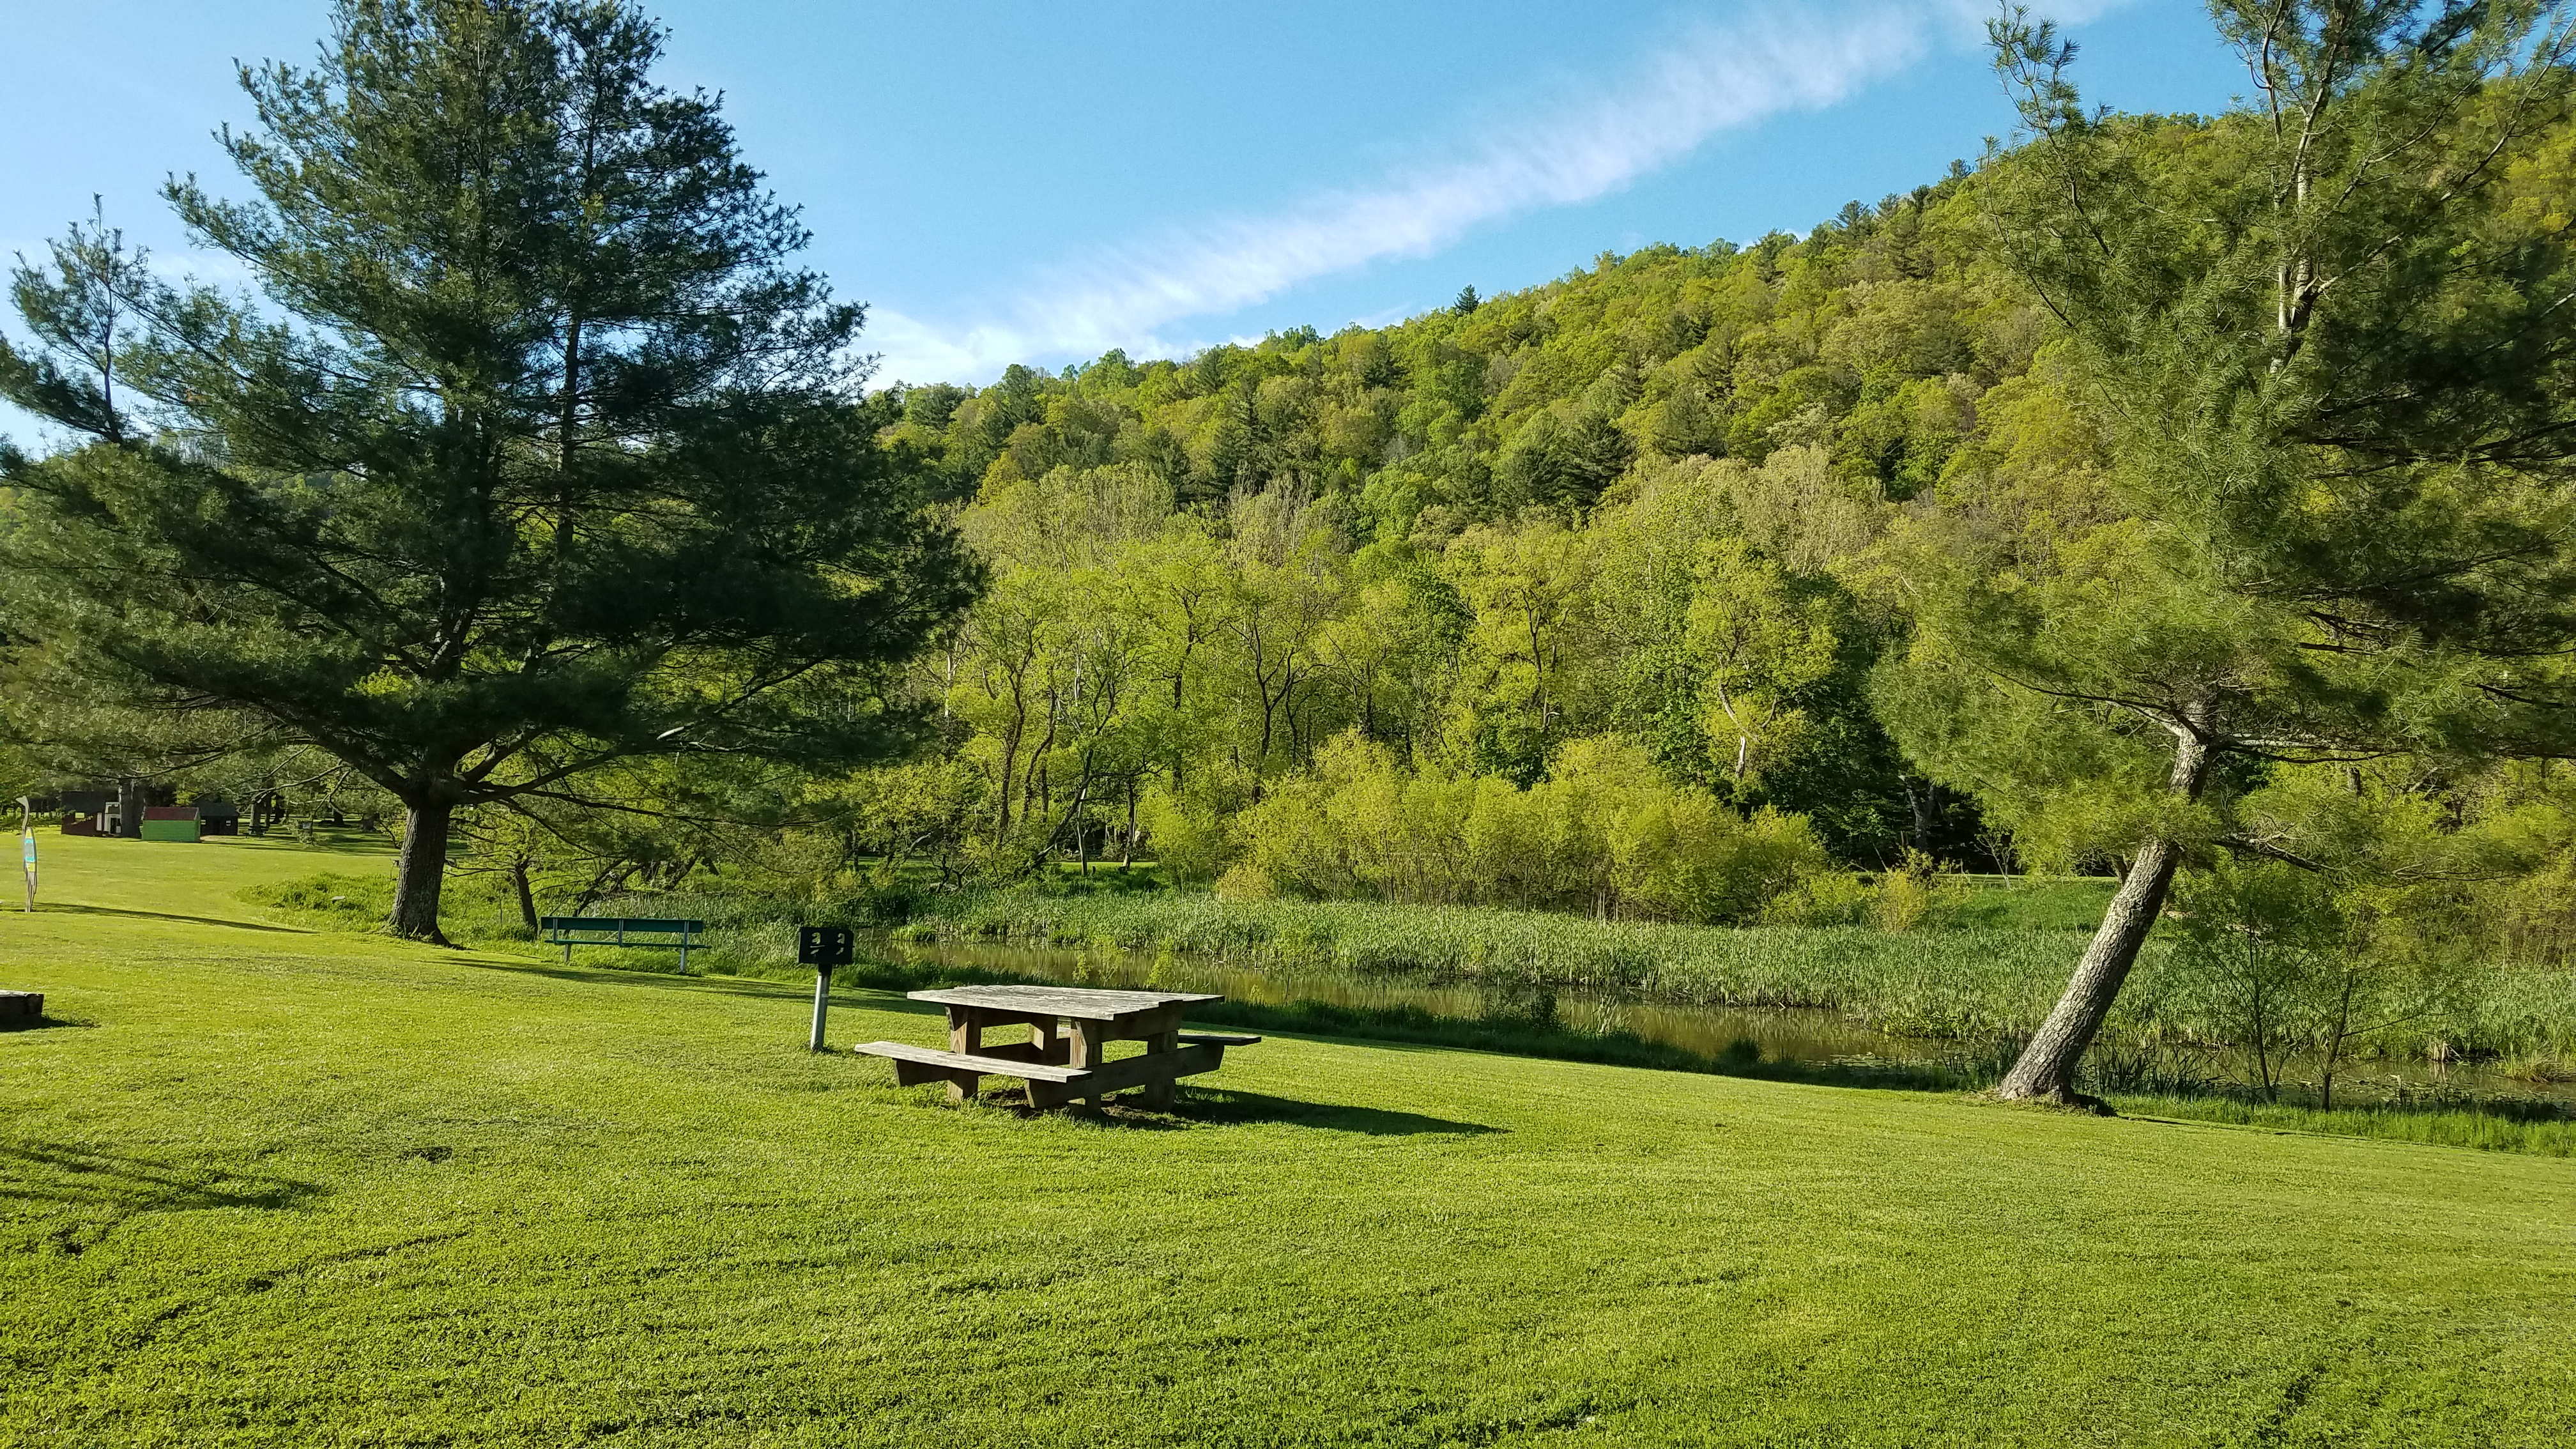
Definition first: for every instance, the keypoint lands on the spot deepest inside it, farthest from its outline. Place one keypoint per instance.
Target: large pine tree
(534, 453)
(2332, 366)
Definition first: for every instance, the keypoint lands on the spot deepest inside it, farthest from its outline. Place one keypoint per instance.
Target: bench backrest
(561, 926)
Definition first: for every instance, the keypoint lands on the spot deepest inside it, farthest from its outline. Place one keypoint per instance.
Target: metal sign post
(27, 847)
(824, 947)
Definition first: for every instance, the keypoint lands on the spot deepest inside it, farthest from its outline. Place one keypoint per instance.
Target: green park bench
(571, 931)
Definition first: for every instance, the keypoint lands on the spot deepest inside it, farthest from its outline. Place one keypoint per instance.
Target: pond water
(1713, 1033)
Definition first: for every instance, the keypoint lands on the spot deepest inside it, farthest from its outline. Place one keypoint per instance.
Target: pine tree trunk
(2046, 1068)
(420, 871)
(129, 807)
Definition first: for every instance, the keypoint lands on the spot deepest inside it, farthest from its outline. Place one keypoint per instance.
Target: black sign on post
(823, 947)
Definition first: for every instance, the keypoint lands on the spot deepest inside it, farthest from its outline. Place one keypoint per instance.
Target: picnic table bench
(1065, 1057)
(571, 931)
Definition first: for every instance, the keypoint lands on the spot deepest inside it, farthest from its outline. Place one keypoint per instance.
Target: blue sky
(1008, 181)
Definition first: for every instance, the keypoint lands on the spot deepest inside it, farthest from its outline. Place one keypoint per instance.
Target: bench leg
(1047, 1045)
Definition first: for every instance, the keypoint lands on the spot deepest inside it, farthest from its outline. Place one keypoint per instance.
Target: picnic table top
(1079, 1002)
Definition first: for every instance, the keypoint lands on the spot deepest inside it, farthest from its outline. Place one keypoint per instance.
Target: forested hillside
(1571, 596)
(1632, 501)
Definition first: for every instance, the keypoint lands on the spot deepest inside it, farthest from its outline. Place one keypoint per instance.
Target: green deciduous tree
(536, 454)
(1605, 832)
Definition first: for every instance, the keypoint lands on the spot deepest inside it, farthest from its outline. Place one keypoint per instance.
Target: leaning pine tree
(2326, 347)
(534, 455)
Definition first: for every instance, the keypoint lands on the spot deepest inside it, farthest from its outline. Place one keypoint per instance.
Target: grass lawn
(280, 1187)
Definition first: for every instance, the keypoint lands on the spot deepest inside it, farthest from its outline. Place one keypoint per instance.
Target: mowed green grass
(288, 1188)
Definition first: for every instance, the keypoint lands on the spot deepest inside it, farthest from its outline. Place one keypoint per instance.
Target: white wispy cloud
(1713, 79)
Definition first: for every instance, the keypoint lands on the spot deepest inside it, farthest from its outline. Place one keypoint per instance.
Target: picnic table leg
(965, 1034)
(1090, 1039)
(1044, 1046)
(1157, 1094)
(1047, 1037)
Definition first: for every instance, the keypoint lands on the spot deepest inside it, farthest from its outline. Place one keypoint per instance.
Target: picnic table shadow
(1202, 1106)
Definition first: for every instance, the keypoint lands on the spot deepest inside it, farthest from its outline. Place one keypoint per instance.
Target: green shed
(170, 822)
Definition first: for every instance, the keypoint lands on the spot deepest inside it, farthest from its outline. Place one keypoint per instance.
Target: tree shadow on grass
(326, 840)
(125, 1185)
(492, 958)
(853, 997)
(75, 910)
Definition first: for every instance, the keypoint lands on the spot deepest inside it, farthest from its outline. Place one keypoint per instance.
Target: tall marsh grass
(1972, 983)
(1953, 983)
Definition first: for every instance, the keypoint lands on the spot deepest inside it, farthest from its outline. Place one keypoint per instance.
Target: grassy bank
(1979, 986)
(291, 1187)
(2154, 1084)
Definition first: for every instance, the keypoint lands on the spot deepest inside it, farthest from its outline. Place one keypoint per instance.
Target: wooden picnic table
(1069, 1031)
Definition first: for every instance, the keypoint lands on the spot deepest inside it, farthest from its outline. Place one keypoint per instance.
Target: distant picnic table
(1065, 1057)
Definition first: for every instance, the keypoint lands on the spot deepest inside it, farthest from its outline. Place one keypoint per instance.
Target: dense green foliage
(1687, 496)
(1602, 833)
(1617, 503)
